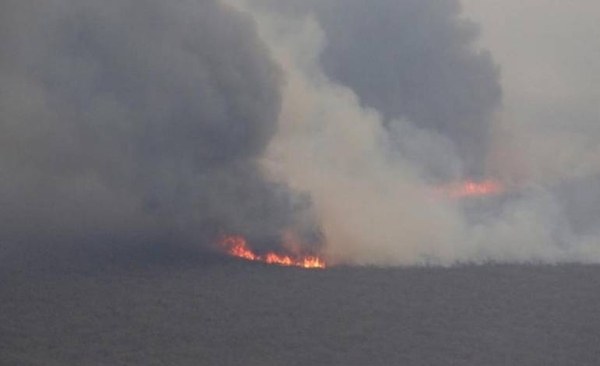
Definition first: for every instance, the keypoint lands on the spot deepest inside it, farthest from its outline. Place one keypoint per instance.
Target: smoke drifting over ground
(129, 123)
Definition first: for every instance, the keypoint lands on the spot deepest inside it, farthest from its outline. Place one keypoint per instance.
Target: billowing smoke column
(412, 59)
(387, 104)
(136, 123)
(324, 127)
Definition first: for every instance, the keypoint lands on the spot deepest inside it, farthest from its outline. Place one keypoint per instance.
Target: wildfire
(238, 247)
(471, 189)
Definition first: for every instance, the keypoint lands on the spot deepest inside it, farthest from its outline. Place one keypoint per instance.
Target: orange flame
(237, 246)
(471, 189)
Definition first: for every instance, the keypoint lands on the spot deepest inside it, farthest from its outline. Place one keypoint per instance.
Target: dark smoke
(412, 59)
(145, 125)
(135, 123)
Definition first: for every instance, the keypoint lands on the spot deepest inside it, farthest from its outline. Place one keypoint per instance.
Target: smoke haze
(129, 123)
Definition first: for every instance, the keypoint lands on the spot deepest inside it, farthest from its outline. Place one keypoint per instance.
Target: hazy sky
(549, 54)
(548, 49)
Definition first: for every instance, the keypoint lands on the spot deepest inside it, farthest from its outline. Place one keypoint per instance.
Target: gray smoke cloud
(412, 59)
(132, 123)
(352, 134)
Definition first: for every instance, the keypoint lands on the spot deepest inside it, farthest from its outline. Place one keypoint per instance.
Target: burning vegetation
(237, 246)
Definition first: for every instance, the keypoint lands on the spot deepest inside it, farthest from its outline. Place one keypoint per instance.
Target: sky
(305, 126)
(550, 62)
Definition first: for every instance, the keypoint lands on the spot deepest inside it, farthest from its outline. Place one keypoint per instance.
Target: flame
(237, 246)
(471, 189)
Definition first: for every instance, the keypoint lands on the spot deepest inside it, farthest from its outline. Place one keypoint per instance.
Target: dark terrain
(237, 313)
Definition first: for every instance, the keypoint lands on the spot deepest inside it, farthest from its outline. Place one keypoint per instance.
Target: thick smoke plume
(382, 101)
(131, 124)
(135, 123)
(415, 60)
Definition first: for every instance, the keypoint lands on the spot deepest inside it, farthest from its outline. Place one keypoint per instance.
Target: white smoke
(374, 199)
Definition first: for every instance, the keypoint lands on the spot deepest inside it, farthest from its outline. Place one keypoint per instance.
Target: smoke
(370, 163)
(136, 123)
(415, 60)
(331, 147)
(130, 124)
(547, 134)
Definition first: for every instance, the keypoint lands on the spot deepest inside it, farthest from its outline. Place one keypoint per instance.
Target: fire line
(237, 246)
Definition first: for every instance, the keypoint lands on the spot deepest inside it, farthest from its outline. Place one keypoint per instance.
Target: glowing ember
(237, 247)
(471, 189)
